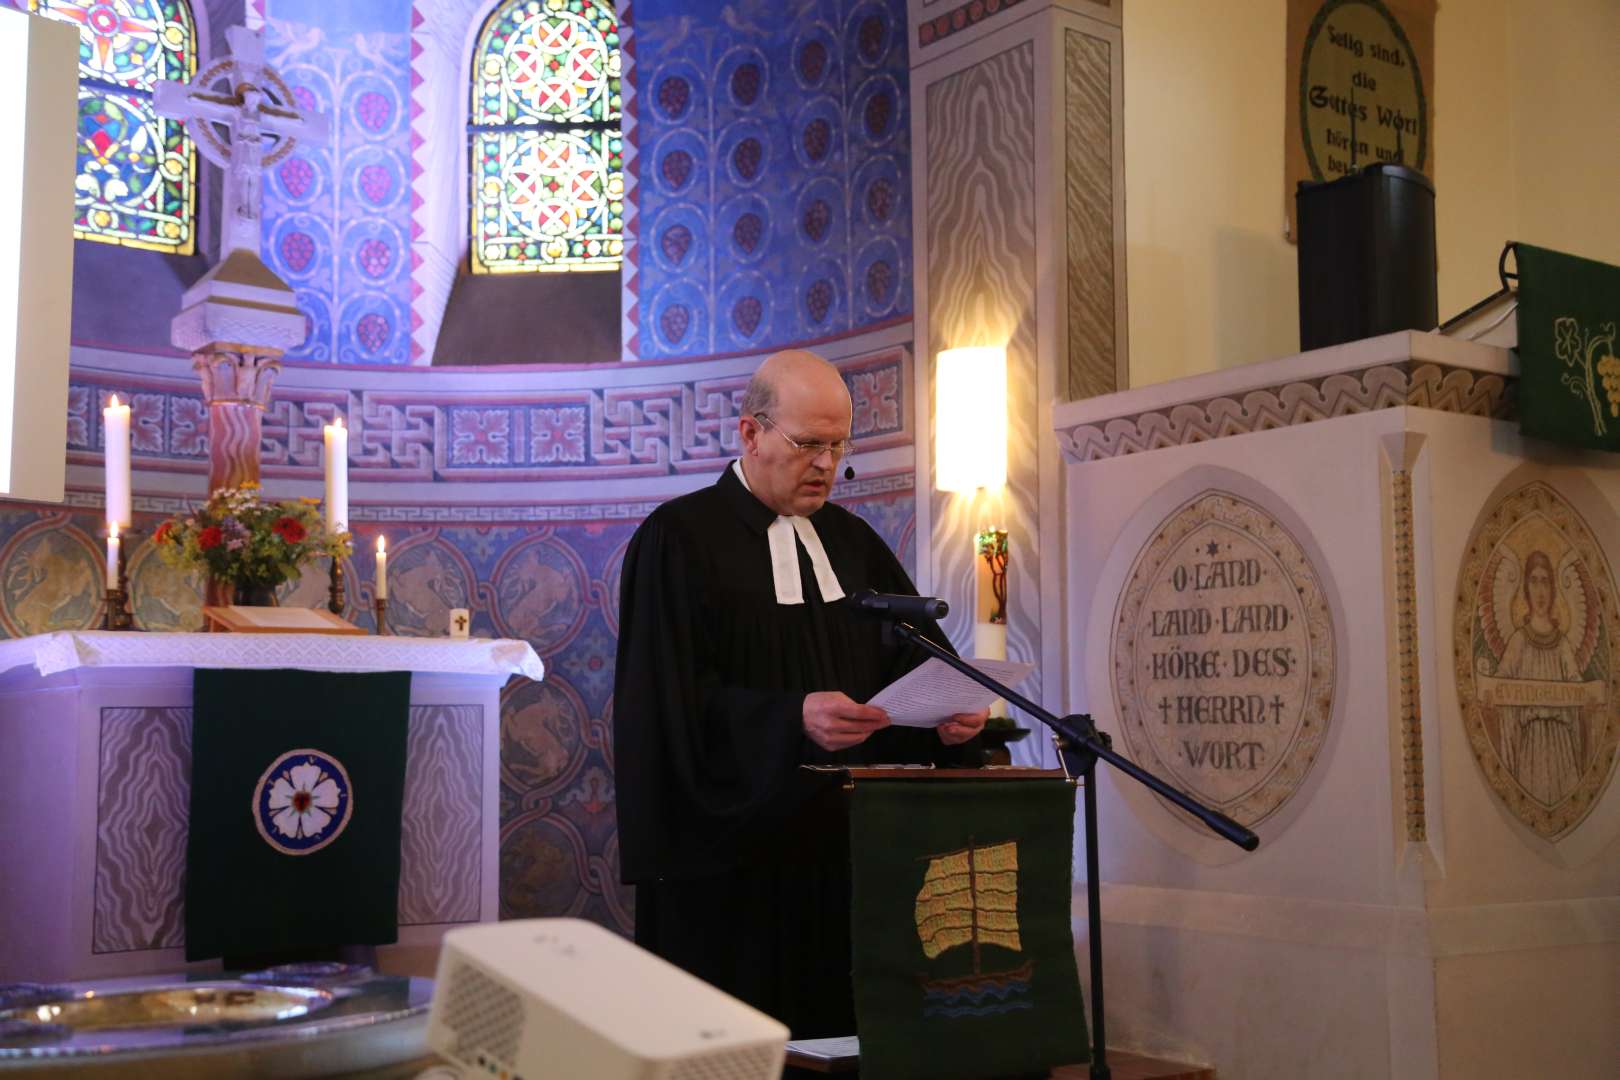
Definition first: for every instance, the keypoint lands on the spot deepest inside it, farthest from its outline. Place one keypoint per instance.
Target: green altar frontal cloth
(963, 951)
(297, 785)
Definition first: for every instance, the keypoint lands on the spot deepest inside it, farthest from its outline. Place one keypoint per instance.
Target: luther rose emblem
(1537, 660)
(303, 802)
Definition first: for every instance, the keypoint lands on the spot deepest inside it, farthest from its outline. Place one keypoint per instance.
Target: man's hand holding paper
(935, 694)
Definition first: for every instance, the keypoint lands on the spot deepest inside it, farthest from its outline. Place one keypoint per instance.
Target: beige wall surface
(1527, 147)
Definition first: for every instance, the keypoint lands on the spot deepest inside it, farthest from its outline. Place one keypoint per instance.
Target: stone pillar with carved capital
(236, 381)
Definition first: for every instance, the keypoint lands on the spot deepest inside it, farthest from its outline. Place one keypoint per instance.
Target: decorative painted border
(421, 342)
(665, 428)
(845, 492)
(1406, 647)
(1412, 383)
(630, 132)
(958, 19)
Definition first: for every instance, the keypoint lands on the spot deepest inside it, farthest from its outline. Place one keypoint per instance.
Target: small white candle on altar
(382, 568)
(115, 430)
(337, 476)
(113, 544)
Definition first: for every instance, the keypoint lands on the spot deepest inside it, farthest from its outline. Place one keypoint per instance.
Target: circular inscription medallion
(1222, 656)
(1537, 659)
(1361, 97)
(303, 802)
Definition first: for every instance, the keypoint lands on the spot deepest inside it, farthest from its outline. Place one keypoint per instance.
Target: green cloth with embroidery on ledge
(1569, 373)
(963, 950)
(297, 788)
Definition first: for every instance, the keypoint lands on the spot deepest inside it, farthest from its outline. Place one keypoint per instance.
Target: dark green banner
(1569, 375)
(297, 783)
(963, 954)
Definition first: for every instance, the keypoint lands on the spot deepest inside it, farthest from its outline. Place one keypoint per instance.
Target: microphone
(897, 606)
(849, 472)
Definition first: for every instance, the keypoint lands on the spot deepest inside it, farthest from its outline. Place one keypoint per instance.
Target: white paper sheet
(933, 692)
(834, 1049)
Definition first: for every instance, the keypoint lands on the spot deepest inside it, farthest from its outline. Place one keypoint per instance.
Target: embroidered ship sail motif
(970, 897)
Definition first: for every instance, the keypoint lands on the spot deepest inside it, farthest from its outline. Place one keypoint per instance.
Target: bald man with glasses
(739, 661)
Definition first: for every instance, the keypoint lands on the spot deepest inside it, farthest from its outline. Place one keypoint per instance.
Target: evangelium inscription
(1222, 657)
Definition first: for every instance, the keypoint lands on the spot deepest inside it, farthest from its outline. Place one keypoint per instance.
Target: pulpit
(1341, 598)
(95, 761)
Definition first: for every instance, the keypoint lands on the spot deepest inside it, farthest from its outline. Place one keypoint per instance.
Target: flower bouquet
(246, 544)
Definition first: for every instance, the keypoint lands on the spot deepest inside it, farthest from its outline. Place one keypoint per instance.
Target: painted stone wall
(337, 217)
(774, 172)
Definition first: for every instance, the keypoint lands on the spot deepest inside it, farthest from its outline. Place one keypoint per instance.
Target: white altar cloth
(65, 650)
(95, 760)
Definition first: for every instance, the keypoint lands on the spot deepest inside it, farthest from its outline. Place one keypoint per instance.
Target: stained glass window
(547, 159)
(137, 177)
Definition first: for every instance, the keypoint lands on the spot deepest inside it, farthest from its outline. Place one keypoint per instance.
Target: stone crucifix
(256, 108)
(240, 318)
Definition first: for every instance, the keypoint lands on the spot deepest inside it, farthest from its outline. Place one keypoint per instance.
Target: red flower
(162, 533)
(209, 537)
(289, 529)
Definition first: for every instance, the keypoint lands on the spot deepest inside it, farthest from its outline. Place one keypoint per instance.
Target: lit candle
(115, 429)
(113, 544)
(337, 476)
(989, 638)
(382, 568)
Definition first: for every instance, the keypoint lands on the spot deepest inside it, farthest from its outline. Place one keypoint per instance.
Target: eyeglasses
(841, 448)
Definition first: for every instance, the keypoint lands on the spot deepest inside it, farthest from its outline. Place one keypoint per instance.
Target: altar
(1340, 598)
(95, 761)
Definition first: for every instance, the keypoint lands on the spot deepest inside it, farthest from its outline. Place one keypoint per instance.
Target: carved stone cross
(239, 318)
(257, 109)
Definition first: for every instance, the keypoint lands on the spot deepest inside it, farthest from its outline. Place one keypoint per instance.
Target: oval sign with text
(1222, 656)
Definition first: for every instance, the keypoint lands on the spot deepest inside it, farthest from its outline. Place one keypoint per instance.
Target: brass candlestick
(380, 606)
(334, 595)
(118, 615)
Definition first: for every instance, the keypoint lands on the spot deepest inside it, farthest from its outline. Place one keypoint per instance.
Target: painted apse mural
(774, 172)
(526, 486)
(337, 218)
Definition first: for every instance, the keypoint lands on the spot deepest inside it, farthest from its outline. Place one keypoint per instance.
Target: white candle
(115, 428)
(337, 476)
(113, 544)
(382, 568)
(990, 643)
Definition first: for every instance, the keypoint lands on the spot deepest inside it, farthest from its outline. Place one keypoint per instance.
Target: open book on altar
(933, 692)
(278, 620)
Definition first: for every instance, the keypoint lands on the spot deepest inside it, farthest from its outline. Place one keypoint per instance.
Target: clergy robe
(740, 858)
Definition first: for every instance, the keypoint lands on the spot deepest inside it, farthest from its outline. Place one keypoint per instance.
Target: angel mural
(1540, 624)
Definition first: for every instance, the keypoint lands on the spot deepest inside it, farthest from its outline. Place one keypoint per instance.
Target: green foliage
(238, 537)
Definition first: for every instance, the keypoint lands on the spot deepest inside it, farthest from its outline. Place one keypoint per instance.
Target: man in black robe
(738, 662)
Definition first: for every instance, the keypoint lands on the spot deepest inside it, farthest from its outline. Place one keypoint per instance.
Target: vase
(255, 596)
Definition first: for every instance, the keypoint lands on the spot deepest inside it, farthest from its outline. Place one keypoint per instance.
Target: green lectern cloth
(1569, 371)
(297, 783)
(963, 954)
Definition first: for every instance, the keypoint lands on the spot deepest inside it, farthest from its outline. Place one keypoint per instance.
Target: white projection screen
(39, 65)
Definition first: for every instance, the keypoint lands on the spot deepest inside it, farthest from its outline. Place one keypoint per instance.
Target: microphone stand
(1082, 746)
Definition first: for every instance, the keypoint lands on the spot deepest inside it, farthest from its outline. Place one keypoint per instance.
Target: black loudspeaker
(1366, 256)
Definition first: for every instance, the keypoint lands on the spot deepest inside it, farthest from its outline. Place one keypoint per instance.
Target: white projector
(566, 999)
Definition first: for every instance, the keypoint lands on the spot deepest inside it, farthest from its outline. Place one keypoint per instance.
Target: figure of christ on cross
(256, 107)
